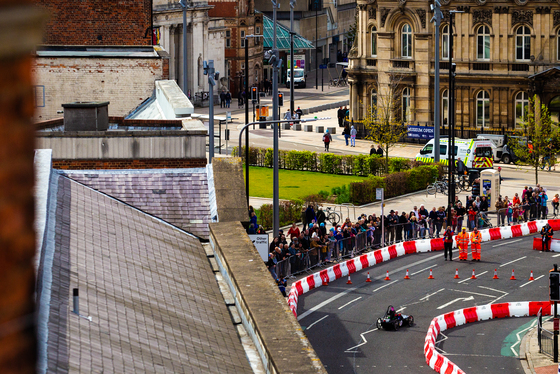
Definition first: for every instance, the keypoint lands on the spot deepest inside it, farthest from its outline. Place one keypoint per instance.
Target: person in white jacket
(353, 133)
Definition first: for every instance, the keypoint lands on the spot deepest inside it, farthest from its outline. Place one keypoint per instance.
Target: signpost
(260, 241)
(420, 132)
(379, 195)
(554, 286)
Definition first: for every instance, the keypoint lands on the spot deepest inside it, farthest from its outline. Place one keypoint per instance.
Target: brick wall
(129, 164)
(124, 82)
(97, 22)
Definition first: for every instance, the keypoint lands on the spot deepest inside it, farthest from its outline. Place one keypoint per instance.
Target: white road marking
(349, 350)
(467, 279)
(498, 298)
(556, 255)
(419, 271)
(388, 284)
(536, 279)
(326, 302)
(350, 302)
(513, 241)
(400, 310)
(473, 293)
(319, 320)
(511, 262)
(432, 294)
(454, 301)
(492, 289)
(519, 337)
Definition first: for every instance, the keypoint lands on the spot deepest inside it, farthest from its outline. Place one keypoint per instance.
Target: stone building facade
(505, 52)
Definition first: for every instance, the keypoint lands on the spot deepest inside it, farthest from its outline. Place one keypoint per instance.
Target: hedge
(360, 165)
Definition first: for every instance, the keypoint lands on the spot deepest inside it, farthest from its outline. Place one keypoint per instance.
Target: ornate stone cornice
(384, 14)
(522, 17)
(542, 10)
(372, 12)
(482, 16)
(362, 7)
(556, 18)
(501, 10)
(464, 8)
(422, 15)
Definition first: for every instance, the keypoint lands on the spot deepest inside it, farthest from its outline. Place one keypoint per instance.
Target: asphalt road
(343, 330)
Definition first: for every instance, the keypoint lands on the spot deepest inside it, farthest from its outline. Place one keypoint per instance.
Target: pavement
(534, 362)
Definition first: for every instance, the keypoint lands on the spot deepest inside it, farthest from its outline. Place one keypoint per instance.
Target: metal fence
(545, 338)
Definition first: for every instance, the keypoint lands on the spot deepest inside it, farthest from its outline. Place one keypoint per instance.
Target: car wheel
(379, 325)
(506, 159)
(410, 320)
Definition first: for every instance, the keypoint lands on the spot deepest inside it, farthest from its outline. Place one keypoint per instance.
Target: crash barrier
(554, 244)
(348, 267)
(439, 324)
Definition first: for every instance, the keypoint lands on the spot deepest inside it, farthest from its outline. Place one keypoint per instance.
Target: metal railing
(545, 338)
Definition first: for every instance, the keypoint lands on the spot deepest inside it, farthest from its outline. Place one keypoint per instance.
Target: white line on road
(513, 241)
(319, 320)
(519, 337)
(492, 289)
(432, 294)
(400, 310)
(454, 301)
(464, 280)
(511, 262)
(388, 284)
(556, 255)
(364, 341)
(350, 302)
(498, 298)
(326, 302)
(536, 279)
(472, 293)
(419, 271)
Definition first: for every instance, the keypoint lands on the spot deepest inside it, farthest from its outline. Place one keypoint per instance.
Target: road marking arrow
(454, 301)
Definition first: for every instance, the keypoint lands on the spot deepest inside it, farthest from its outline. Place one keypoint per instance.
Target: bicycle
(332, 216)
(437, 186)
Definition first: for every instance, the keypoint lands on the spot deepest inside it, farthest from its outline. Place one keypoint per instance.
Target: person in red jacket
(448, 243)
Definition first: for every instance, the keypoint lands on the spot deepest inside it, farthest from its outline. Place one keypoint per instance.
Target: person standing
(340, 115)
(222, 99)
(327, 138)
(546, 233)
(476, 239)
(353, 133)
(372, 151)
(346, 132)
(379, 150)
(228, 99)
(299, 112)
(448, 243)
(463, 244)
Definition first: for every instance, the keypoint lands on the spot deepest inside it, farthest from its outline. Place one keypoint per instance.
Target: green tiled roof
(282, 37)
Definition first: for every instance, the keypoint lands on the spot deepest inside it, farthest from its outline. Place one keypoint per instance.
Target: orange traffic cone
(368, 280)
(406, 276)
(387, 277)
(531, 277)
(431, 275)
(495, 274)
(512, 275)
(349, 280)
(473, 276)
(325, 281)
(456, 274)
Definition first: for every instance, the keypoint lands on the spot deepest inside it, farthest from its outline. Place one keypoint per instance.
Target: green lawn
(294, 184)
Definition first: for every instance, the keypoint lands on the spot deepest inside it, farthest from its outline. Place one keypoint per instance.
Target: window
(373, 100)
(482, 109)
(406, 105)
(521, 106)
(228, 38)
(523, 43)
(406, 41)
(242, 39)
(445, 42)
(258, 30)
(39, 96)
(445, 108)
(374, 41)
(483, 43)
(558, 46)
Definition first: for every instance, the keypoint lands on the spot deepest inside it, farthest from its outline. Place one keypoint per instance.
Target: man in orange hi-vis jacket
(463, 244)
(476, 239)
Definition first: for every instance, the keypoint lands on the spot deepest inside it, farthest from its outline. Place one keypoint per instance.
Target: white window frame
(445, 107)
(405, 105)
(484, 98)
(406, 41)
(242, 38)
(373, 41)
(521, 99)
(445, 42)
(257, 30)
(483, 36)
(521, 41)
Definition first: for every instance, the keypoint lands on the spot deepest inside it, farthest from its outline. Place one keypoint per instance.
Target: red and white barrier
(442, 364)
(417, 246)
(554, 244)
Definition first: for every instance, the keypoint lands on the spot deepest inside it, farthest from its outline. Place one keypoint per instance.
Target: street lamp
(437, 20)
(292, 5)
(184, 5)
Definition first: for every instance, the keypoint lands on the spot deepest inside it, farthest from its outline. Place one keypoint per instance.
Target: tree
(352, 32)
(537, 141)
(383, 121)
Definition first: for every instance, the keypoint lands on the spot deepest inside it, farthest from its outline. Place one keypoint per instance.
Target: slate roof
(153, 299)
(178, 196)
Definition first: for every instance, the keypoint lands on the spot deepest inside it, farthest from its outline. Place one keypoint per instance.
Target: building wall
(501, 76)
(124, 82)
(97, 22)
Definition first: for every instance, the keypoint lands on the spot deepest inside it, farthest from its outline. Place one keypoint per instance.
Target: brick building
(502, 50)
(96, 50)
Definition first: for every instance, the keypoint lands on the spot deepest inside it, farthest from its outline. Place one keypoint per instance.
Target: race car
(394, 320)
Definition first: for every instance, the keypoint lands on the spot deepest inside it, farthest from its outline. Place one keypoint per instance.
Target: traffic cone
(512, 275)
(431, 275)
(495, 274)
(531, 277)
(456, 274)
(387, 277)
(473, 276)
(325, 281)
(406, 276)
(368, 280)
(349, 280)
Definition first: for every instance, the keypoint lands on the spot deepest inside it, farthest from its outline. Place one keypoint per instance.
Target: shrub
(290, 211)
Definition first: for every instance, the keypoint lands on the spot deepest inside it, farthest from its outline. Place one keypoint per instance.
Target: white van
(299, 78)
(475, 153)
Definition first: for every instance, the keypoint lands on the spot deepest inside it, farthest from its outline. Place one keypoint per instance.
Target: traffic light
(254, 94)
(280, 99)
(554, 278)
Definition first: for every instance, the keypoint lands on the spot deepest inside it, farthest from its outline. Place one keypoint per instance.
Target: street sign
(378, 193)
(322, 66)
(260, 242)
(228, 116)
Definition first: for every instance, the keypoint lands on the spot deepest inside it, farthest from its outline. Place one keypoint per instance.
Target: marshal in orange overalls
(463, 244)
(476, 239)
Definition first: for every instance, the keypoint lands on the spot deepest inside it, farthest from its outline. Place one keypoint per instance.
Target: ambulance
(477, 154)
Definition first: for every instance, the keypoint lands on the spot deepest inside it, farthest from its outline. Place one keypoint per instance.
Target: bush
(290, 211)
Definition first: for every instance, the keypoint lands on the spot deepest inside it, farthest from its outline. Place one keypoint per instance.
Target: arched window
(445, 108)
(523, 43)
(445, 42)
(521, 106)
(554, 109)
(406, 41)
(482, 109)
(483, 43)
(406, 105)
(373, 41)
(373, 100)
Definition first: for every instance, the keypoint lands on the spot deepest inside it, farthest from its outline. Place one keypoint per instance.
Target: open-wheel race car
(394, 320)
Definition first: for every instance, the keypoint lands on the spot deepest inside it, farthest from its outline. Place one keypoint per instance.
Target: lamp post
(292, 5)
(183, 4)
(316, 43)
(437, 21)
(213, 76)
(276, 62)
